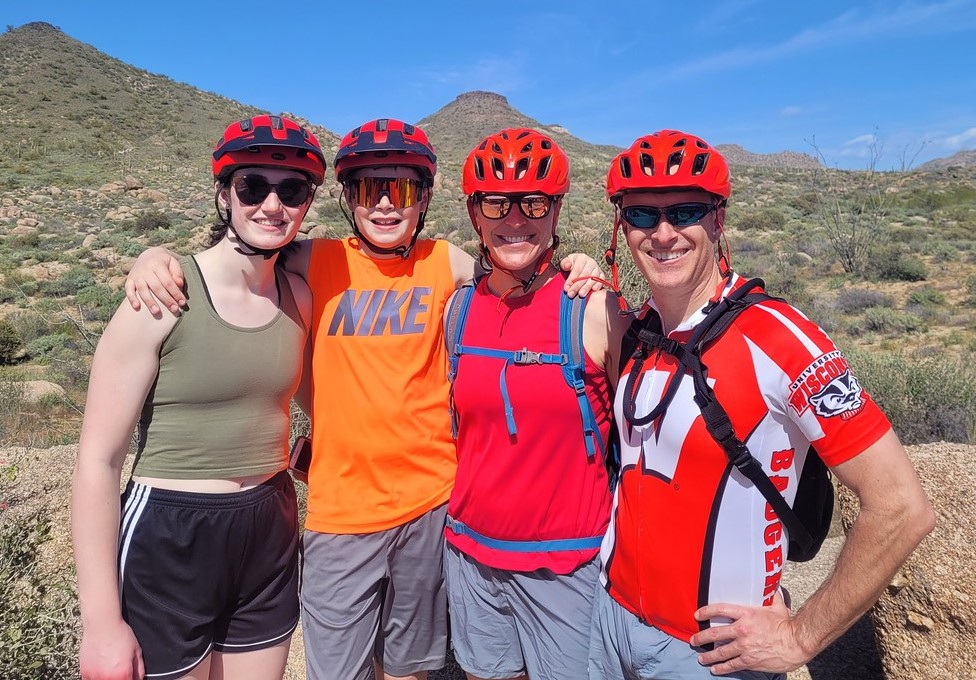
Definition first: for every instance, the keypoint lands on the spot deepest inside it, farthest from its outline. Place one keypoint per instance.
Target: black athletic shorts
(202, 572)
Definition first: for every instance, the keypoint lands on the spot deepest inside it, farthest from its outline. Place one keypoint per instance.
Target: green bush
(927, 296)
(891, 321)
(763, 219)
(10, 342)
(856, 300)
(889, 263)
(970, 291)
(151, 220)
(70, 282)
(41, 348)
(927, 399)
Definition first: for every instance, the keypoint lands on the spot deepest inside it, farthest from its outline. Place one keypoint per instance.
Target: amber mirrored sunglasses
(402, 192)
(497, 206)
(254, 189)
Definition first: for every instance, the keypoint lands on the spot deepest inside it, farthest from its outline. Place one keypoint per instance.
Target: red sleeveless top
(537, 485)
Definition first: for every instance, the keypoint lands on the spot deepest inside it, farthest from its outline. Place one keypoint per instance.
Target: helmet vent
(545, 144)
(679, 143)
(495, 147)
(698, 165)
(625, 167)
(276, 123)
(504, 135)
(527, 148)
(522, 134)
(543, 170)
(647, 164)
(382, 124)
(247, 125)
(645, 144)
(674, 160)
(497, 168)
(521, 168)
(483, 145)
(407, 129)
(479, 169)
(701, 144)
(355, 133)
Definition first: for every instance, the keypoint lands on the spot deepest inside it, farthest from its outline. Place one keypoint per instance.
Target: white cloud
(861, 140)
(908, 18)
(790, 111)
(962, 139)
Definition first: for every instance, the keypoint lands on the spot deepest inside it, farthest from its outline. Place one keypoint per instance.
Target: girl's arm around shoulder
(604, 325)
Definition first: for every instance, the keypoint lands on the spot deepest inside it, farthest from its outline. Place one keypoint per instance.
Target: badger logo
(842, 396)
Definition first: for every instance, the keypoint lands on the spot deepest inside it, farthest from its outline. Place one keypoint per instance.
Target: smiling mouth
(667, 256)
(515, 239)
(386, 221)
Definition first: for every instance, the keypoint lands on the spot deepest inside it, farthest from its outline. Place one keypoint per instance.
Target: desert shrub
(69, 283)
(892, 321)
(10, 342)
(38, 611)
(926, 296)
(42, 348)
(971, 290)
(856, 300)
(99, 302)
(942, 252)
(151, 220)
(890, 263)
(927, 399)
(763, 219)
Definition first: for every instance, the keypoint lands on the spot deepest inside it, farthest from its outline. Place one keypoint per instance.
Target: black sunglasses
(253, 189)
(680, 215)
(497, 206)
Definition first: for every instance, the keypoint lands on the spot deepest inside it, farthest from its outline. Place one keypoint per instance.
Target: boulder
(926, 618)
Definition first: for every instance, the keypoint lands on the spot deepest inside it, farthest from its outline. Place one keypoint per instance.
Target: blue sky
(768, 75)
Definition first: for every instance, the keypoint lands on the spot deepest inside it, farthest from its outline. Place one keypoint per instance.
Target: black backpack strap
(720, 427)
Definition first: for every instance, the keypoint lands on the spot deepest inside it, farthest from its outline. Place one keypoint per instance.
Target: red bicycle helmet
(386, 141)
(271, 141)
(516, 160)
(669, 160)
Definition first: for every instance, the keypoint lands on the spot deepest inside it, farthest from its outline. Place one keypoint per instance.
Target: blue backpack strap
(571, 314)
(454, 321)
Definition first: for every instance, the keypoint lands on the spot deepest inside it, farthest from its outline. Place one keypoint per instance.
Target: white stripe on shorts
(134, 505)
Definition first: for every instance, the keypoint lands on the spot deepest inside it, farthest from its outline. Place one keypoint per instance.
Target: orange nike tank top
(382, 452)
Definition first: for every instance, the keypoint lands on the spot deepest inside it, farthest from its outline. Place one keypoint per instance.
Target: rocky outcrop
(926, 619)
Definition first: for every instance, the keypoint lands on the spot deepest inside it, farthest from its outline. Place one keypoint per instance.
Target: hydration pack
(570, 358)
(808, 521)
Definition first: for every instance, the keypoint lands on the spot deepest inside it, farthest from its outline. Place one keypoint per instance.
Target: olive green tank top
(219, 407)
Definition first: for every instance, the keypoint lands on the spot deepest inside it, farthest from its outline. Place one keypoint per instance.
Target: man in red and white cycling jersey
(693, 556)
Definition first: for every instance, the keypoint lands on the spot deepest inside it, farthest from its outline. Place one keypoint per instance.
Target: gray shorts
(505, 623)
(378, 595)
(624, 648)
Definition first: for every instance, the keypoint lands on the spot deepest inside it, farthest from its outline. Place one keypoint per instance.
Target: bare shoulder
(462, 264)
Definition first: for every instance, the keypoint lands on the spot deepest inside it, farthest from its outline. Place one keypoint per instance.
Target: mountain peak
(481, 97)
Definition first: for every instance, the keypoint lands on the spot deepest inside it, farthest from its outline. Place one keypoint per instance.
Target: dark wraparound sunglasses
(497, 206)
(680, 215)
(403, 192)
(253, 189)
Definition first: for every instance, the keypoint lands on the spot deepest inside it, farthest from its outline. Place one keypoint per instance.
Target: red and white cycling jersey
(687, 529)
